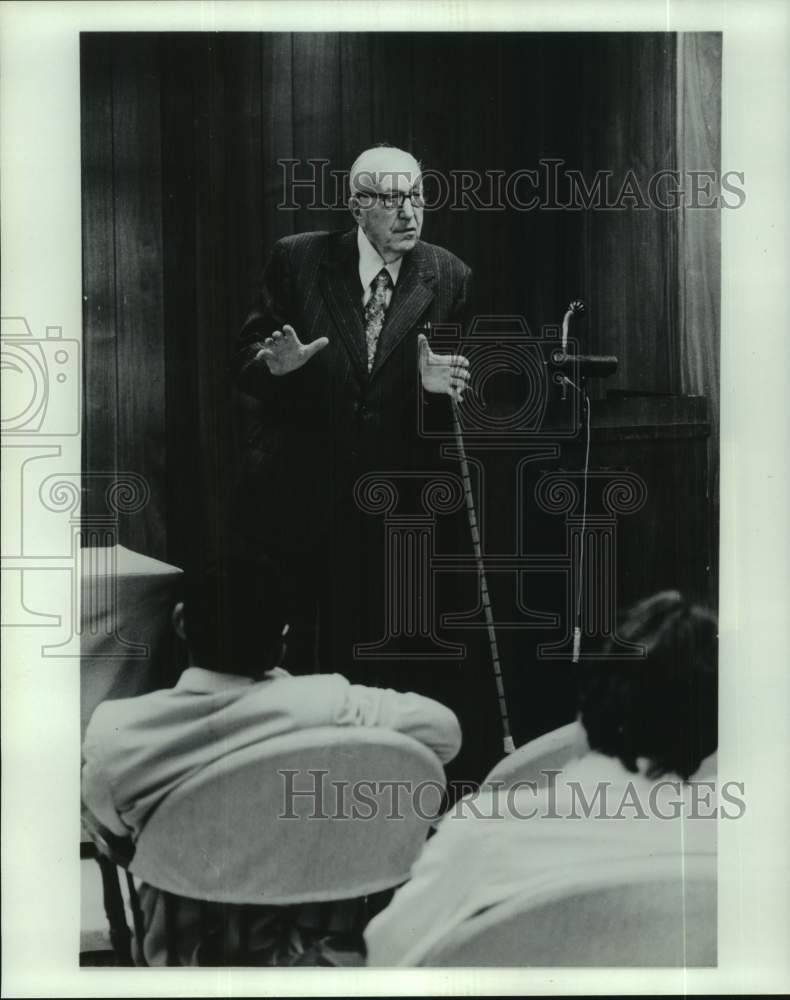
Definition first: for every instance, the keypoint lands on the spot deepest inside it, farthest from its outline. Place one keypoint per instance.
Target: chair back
(311, 816)
(550, 752)
(658, 919)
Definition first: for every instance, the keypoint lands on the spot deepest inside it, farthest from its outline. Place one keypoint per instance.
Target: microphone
(584, 365)
(576, 308)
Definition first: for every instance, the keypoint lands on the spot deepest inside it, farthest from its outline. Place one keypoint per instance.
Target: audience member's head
(232, 617)
(662, 707)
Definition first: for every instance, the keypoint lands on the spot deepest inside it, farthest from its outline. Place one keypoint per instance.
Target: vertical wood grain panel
(100, 381)
(211, 344)
(630, 125)
(436, 133)
(479, 236)
(244, 163)
(537, 105)
(138, 258)
(243, 117)
(395, 90)
(699, 148)
(179, 209)
(316, 118)
(356, 97)
(277, 135)
(564, 128)
(507, 130)
(699, 254)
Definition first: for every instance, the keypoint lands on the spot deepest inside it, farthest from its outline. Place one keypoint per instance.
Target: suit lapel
(339, 283)
(412, 296)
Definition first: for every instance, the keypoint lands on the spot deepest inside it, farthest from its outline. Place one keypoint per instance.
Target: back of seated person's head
(664, 706)
(232, 617)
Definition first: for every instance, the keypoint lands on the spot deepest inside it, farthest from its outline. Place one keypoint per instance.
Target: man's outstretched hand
(283, 352)
(444, 373)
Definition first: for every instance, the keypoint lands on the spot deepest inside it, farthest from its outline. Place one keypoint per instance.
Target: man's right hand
(283, 352)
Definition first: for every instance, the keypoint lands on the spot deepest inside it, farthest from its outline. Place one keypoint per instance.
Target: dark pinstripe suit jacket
(325, 424)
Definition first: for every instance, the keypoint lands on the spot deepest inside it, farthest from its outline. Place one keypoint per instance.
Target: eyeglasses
(396, 199)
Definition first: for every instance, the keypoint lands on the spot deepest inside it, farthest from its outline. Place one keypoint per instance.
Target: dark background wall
(181, 136)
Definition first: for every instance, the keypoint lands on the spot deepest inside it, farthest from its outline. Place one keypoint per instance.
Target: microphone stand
(583, 366)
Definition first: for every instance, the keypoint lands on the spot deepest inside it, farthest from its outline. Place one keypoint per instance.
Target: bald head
(383, 168)
(386, 199)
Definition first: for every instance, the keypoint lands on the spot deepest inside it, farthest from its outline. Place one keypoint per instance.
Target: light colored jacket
(137, 750)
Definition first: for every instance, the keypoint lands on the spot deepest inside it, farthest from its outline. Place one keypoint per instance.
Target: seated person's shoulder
(114, 718)
(284, 680)
(109, 716)
(316, 697)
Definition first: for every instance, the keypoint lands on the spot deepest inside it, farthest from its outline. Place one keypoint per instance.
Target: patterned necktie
(375, 311)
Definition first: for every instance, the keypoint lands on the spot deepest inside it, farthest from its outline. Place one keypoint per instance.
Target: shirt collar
(371, 262)
(197, 680)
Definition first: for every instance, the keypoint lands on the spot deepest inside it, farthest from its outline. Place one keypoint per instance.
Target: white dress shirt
(494, 846)
(370, 263)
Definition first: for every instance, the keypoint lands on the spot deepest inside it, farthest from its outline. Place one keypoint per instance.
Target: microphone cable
(577, 630)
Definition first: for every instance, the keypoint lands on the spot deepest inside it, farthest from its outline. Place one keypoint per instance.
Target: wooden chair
(113, 854)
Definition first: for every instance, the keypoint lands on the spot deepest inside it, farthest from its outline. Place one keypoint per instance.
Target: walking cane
(507, 741)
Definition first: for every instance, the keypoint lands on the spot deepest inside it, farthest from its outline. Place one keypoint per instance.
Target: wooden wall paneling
(277, 135)
(699, 148)
(100, 376)
(139, 293)
(588, 152)
(179, 268)
(630, 125)
(393, 90)
(521, 288)
(316, 122)
(244, 252)
(357, 113)
(213, 389)
(482, 133)
(549, 141)
(503, 231)
(563, 70)
(244, 165)
(663, 56)
(497, 227)
(699, 255)
(435, 69)
(603, 152)
(545, 139)
(460, 127)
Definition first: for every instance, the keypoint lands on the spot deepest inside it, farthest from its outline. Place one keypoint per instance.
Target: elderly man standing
(336, 352)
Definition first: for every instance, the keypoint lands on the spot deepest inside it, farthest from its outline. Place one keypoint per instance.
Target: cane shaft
(489, 617)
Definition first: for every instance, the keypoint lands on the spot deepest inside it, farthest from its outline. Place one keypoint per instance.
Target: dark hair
(234, 615)
(664, 706)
